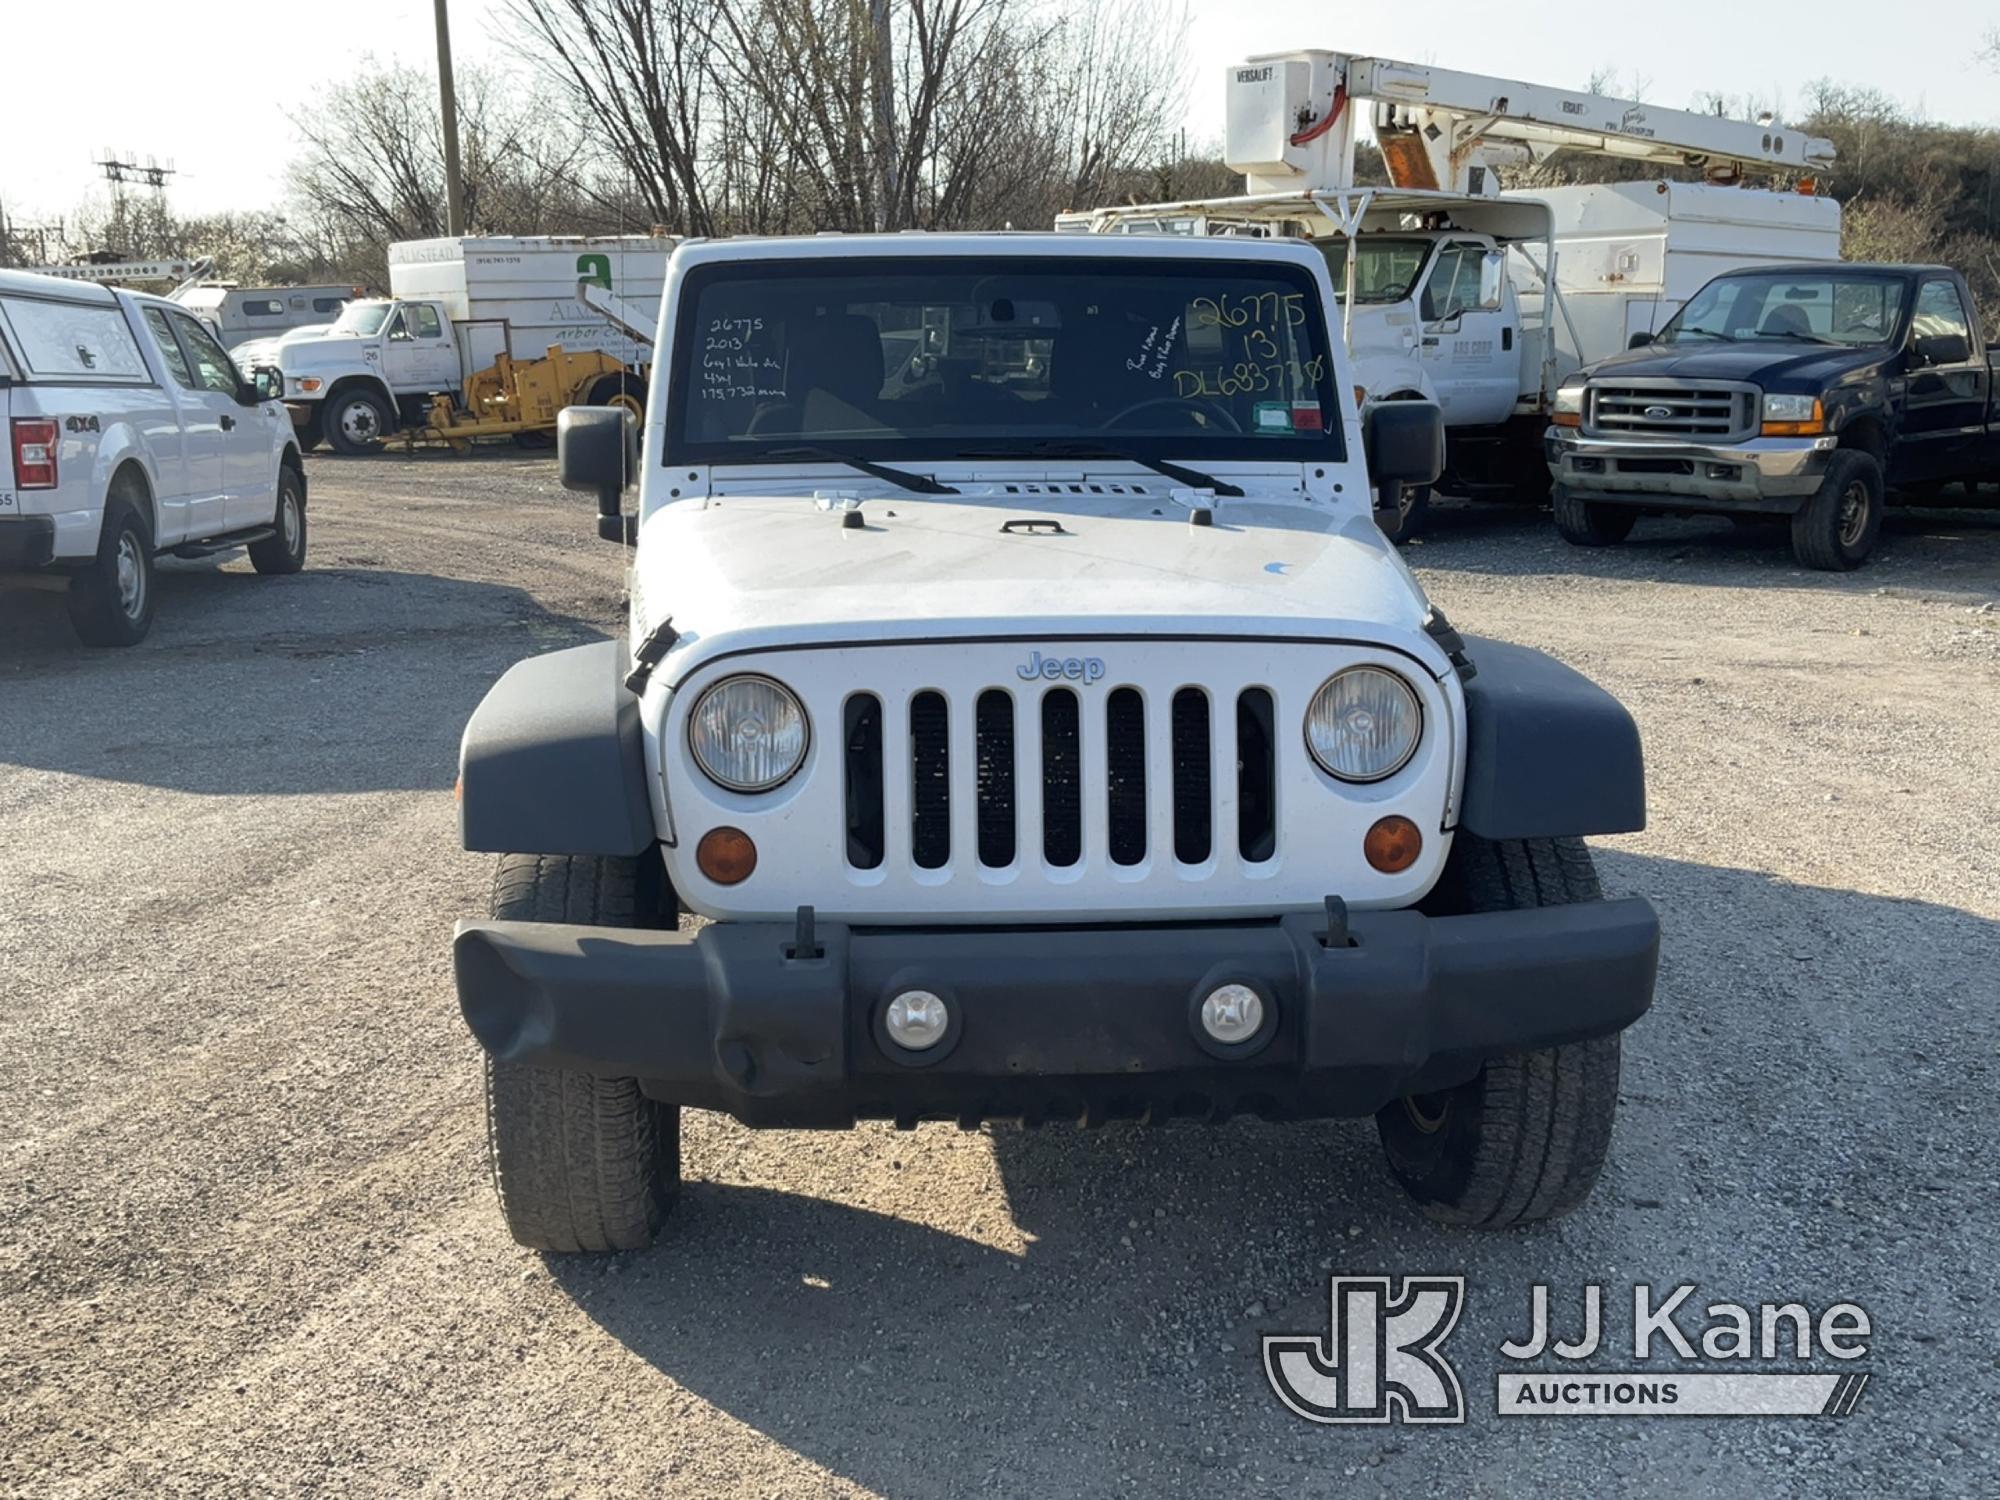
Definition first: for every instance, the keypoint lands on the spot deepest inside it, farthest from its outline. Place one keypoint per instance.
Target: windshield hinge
(658, 642)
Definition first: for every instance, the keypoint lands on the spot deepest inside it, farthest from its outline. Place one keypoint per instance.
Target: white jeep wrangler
(1020, 684)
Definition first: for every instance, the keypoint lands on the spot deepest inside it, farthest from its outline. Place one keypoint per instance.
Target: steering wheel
(1180, 404)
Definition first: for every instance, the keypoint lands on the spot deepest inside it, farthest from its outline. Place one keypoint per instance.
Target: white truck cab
(131, 433)
(1018, 682)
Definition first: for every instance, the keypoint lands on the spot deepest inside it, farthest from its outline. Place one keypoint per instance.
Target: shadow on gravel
(1796, 1123)
(1932, 551)
(339, 679)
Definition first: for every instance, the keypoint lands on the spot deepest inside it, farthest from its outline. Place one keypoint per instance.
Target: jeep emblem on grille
(1659, 413)
(1055, 668)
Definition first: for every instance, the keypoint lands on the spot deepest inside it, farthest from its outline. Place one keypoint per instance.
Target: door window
(1940, 312)
(170, 349)
(399, 327)
(1454, 284)
(212, 368)
(424, 319)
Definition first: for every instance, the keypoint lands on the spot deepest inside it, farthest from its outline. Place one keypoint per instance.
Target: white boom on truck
(1480, 298)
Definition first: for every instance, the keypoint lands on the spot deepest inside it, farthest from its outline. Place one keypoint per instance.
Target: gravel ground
(247, 1247)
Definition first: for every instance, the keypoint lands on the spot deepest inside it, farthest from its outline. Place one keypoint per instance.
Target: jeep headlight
(748, 734)
(1364, 724)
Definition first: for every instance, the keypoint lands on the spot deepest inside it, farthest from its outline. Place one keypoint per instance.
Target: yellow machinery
(520, 398)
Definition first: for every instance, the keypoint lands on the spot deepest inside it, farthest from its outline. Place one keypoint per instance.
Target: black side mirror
(1639, 340)
(1404, 445)
(597, 449)
(1942, 349)
(265, 383)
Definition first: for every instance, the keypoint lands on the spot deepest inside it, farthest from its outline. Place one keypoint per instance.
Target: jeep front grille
(1091, 789)
(1698, 410)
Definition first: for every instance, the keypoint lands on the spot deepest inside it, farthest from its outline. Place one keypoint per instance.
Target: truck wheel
(285, 552)
(580, 1163)
(1413, 508)
(1525, 1139)
(111, 601)
(356, 422)
(1587, 523)
(1837, 528)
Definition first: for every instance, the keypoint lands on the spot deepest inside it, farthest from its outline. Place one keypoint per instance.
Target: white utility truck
(463, 309)
(131, 433)
(1479, 298)
(239, 314)
(1018, 682)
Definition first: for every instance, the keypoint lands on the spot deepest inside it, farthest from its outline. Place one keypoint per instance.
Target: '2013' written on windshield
(730, 369)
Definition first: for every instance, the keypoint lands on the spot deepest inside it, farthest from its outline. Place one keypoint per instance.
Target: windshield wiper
(1775, 333)
(1674, 335)
(920, 484)
(1180, 474)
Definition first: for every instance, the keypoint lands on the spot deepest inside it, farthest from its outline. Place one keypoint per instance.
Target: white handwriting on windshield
(1153, 351)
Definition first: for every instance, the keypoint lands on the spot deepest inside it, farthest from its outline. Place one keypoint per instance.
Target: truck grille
(1699, 410)
(1090, 785)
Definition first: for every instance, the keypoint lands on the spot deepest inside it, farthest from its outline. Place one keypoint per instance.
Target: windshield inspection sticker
(1380, 1358)
(1271, 416)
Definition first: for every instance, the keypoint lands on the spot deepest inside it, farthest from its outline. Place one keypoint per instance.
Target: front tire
(1590, 523)
(580, 1163)
(285, 552)
(111, 601)
(1526, 1138)
(1836, 529)
(1413, 508)
(356, 422)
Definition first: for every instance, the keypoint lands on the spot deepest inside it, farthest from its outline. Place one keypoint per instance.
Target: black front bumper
(26, 542)
(1070, 1023)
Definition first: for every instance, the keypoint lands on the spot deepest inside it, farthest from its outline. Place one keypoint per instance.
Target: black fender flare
(552, 761)
(1548, 753)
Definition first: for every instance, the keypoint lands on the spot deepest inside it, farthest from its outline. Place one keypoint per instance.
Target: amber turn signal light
(1566, 418)
(726, 855)
(1393, 845)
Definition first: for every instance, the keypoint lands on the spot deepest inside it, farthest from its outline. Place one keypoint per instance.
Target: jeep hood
(739, 572)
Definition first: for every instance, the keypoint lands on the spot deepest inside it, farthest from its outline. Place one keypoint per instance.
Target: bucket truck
(1459, 290)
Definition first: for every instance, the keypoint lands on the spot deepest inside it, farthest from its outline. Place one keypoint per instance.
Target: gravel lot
(247, 1247)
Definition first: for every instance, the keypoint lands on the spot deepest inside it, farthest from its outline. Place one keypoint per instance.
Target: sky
(137, 96)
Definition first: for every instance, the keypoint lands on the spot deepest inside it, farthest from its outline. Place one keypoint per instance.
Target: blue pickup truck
(1810, 393)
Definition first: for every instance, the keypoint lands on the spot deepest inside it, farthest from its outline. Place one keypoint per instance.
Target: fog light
(725, 855)
(1232, 1013)
(916, 1019)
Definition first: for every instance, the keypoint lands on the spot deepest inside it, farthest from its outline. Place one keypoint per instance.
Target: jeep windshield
(1384, 269)
(893, 359)
(1813, 307)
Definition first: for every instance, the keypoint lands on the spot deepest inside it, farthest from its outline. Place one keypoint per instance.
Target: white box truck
(1444, 277)
(472, 330)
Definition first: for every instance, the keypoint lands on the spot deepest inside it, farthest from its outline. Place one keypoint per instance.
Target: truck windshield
(1384, 269)
(363, 318)
(896, 358)
(1813, 307)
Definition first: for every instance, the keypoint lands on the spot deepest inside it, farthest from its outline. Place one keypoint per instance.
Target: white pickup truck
(131, 433)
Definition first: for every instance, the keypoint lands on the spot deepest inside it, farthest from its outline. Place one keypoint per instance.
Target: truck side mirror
(1403, 442)
(268, 383)
(1639, 340)
(1942, 349)
(597, 449)
(1492, 280)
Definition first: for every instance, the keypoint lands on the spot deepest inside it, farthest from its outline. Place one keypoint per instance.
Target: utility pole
(885, 115)
(454, 188)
